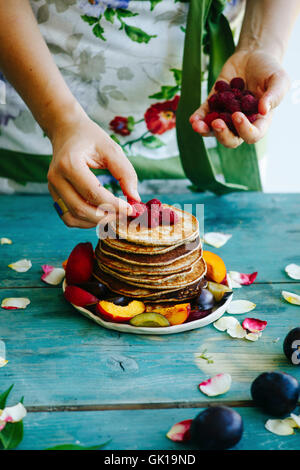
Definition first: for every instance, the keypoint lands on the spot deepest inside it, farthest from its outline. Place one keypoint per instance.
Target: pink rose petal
(217, 385)
(242, 278)
(254, 325)
(52, 275)
(180, 432)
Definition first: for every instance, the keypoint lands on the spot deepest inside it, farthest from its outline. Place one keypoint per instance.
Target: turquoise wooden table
(85, 384)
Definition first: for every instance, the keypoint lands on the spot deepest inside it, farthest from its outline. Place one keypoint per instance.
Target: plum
(77, 296)
(217, 428)
(276, 393)
(80, 263)
(97, 288)
(205, 300)
(154, 320)
(197, 315)
(291, 346)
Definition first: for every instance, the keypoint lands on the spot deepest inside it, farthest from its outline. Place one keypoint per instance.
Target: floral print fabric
(122, 61)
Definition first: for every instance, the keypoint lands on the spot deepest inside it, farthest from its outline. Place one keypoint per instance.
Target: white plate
(167, 330)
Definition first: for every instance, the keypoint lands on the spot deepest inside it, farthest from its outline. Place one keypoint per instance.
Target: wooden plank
(138, 430)
(265, 232)
(59, 358)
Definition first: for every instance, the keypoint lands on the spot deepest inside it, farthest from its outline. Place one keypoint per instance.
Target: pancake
(172, 281)
(179, 252)
(179, 265)
(186, 227)
(148, 295)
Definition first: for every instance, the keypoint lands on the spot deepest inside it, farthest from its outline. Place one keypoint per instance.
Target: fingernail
(218, 128)
(238, 119)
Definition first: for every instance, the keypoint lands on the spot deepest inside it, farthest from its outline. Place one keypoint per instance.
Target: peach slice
(79, 267)
(153, 320)
(216, 269)
(175, 314)
(79, 297)
(119, 313)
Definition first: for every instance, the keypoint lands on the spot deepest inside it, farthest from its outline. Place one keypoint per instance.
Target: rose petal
(281, 427)
(253, 336)
(5, 241)
(216, 385)
(11, 303)
(237, 307)
(13, 414)
(3, 362)
(241, 278)
(291, 298)
(224, 323)
(216, 239)
(293, 271)
(180, 432)
(52, 276)
(254, 325)
(237, 331)
(21, 266)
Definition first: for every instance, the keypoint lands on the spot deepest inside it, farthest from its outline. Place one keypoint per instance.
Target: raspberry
(238, 83)
(210, 117)
(237, 93)
(233, 106)
(247, 92)
(213, 102)
(139, 208)
(153, 202)
(226, 98)
(226, 117)
(249, 104)
(168, 217)
(222, 86)
(153, 217)
(252, 117)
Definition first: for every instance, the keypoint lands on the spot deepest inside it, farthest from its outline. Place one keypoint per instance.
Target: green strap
(239, 166)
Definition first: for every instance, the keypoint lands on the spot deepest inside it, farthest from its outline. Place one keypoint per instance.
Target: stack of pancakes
(160, 264)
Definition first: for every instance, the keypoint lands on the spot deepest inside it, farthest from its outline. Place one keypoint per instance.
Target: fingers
(277, 86)
(81, 178)
(251, 133)
(69, 219)
(197, 120)
(224, 135)
(121, 168)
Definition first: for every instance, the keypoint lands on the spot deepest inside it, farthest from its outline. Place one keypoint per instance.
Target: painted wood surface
(139, 430)
(60, 360)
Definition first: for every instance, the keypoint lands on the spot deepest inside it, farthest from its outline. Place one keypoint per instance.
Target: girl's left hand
(265, 77)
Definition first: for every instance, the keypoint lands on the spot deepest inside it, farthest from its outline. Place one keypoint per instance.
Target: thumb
(277, 86)
(121, 168)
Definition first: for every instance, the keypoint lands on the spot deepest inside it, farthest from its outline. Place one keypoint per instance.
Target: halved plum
(80, 263)
(118, 313)
(153, 320)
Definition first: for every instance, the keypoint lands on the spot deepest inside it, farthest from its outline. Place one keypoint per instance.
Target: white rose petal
(13, 414)
(3, 362)
(293, 271)
(296, 420)
(237, 307)
(15, 302)
(291, 298)
(216, 239)
(253, 336)
(237, 331)
(216, 385)
(52, 276)
(233, 280)
(281, 427)
(224, 323)
(21, 266)
(5, 241)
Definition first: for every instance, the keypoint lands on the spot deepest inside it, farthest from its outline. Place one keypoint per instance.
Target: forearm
(27, 63)
(267, 25)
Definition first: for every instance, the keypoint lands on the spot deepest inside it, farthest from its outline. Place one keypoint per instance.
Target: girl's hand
(265, 77)
(77, 147)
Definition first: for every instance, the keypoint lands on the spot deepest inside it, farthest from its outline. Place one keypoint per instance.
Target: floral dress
(122, 61)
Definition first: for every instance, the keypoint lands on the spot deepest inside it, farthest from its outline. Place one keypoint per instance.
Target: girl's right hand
(77, 147)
